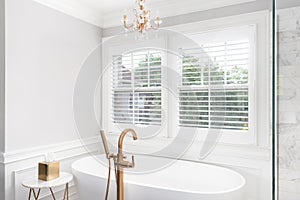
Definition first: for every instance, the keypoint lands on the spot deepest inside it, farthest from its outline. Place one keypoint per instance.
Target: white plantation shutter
(136, 87)
(213, 91)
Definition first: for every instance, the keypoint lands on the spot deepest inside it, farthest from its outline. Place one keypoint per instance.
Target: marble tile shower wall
(289, 103)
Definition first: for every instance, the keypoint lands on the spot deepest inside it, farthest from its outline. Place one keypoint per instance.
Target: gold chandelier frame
(142, 19)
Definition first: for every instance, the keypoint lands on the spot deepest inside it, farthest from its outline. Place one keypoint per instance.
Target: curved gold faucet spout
(119, 162)
(122, 136)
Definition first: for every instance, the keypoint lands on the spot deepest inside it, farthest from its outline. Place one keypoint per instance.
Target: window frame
(260, 103)
(132, 88)
(119, 49)
(237, 136)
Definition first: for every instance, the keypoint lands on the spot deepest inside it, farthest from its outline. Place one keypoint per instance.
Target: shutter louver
(214, 86)
(137, 88)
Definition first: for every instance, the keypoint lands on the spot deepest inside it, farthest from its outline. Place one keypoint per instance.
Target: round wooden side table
(35, 184)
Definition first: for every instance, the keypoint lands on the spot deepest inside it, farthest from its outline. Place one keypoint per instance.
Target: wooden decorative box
(48, 171)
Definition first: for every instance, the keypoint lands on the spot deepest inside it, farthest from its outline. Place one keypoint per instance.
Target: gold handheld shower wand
(105, 144)
(119, 162)
(109, 162)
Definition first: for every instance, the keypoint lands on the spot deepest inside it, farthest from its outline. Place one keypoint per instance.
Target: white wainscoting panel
(22, 165)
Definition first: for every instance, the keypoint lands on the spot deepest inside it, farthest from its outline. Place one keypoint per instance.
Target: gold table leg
(35, 195)
(29, 196)
(52, 193)
(66, 193)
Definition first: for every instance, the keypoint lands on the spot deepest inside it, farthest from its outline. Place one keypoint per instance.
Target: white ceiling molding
(105, 14)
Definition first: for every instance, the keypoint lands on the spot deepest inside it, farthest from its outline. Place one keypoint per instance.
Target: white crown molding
(75, 10)
(166, 8)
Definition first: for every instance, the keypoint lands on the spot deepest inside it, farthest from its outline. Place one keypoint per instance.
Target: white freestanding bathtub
(180, 180)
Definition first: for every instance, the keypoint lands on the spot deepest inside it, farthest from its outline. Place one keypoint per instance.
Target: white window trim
(118, 49)
(260, 135)
(236, 136)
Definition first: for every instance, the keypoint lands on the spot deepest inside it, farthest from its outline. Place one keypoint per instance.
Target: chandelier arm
(155, 28)
(135, 13)
(127, 26)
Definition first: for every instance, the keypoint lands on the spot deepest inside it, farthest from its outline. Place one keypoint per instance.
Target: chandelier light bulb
(125, 18)
(158, 21)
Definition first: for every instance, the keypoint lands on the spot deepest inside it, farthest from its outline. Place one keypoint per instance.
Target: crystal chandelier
(142, 19)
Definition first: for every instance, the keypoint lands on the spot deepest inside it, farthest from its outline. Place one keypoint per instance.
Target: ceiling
(108, 13)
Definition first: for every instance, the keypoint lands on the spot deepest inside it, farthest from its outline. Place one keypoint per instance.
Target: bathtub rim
(241, 186)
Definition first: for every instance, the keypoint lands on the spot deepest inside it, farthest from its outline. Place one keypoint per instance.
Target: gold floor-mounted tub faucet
(119, 162)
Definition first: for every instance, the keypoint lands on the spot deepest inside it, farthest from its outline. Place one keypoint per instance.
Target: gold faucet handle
(127, 164)
(133, 163)
(114, 156)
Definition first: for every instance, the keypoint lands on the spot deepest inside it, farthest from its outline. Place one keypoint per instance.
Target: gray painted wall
(45, 51)
(2, 74)
(2, 182)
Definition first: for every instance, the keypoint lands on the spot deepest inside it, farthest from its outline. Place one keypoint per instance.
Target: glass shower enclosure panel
(288, 97)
